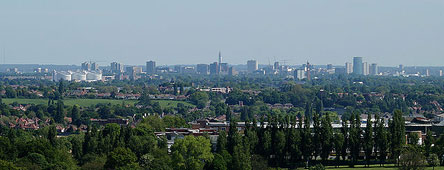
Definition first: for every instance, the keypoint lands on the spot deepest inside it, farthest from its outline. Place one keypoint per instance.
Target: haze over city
(189, 32)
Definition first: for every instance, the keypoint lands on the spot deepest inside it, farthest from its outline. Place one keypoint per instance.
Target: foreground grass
(89, 102)
(377, 167)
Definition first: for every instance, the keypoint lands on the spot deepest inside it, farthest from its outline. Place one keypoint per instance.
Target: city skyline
(400, 32)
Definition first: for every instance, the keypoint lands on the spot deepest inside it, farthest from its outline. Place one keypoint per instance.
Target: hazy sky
(388, 32)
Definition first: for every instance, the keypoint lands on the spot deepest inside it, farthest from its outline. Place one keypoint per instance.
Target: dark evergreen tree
(368, 140)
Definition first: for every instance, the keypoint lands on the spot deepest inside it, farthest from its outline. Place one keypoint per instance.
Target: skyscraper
(223, 68)
(276, 65)
(299, 74)
(86, 66)
(252, 66)
(374, 69)
(365, 69)
(202, 69)
(219, 69)
(116, 67)
(150, 67)
(357, 66)
(348, 68)
(232, 71)
(94, 66)
(214, 68)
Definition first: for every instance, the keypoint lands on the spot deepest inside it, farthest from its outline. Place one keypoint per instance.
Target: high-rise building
(214, 68)
(329, 66)
(365, 68)
(276, 65)
(116, 67)
(348, 68)
(252, 66)
(357, 66)
(440, 73)
(299, 74)
(94, 66)
(401, 68)
(133, 72)
(202, 69)
(150, 67)
(219, 68)
(232, 71)
(374, 69)
(86, 66)
(223, 68)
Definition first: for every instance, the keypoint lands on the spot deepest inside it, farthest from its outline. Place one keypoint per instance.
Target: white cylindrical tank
(63, 76)
(78, 76)
(94, 76)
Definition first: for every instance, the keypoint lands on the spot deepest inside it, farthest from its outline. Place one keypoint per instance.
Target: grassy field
(89, 102)
(376, 167)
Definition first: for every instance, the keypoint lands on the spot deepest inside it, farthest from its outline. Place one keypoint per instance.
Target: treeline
(290, 142)
(285, 142)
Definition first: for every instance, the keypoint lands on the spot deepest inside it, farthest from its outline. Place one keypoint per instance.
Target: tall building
(329, 66)
(133, 72)
(252, 66)
(223, 68)
(357, 66)
(219, 69)
(94, 66)
(365, 68)
(401, 68)
(276, 65)
(308, 71)
(374, 69)
(150, 67)
(116, 67)
(232, 71)
(214, 68)
(202, 69)
(299, 74)
(348, 68)
(86, 66)
(440, 73)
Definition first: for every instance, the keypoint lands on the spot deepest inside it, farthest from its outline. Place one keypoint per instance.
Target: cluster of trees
(291, 142)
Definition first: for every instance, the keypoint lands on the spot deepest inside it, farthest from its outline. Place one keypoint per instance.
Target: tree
(355, 137)
(381, 139)
(191, 152)
(279, 146)
(60, 112)
(368, 140)
(411, 158)
(61, 87)
(326, 136)
(308, 110)
(120, 158)
(338, 144)
(433, 160)
(200, 99)
(10, 92)
(228, 114)
(219, 162)
(52, 135)
(221, 142)
(75, 115)
(413, 138)
(397, 131)
(317, 135)
(306, 136)
(429, 140)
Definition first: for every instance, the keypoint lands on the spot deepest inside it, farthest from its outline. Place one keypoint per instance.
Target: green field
(89, 102)
(376, 167)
